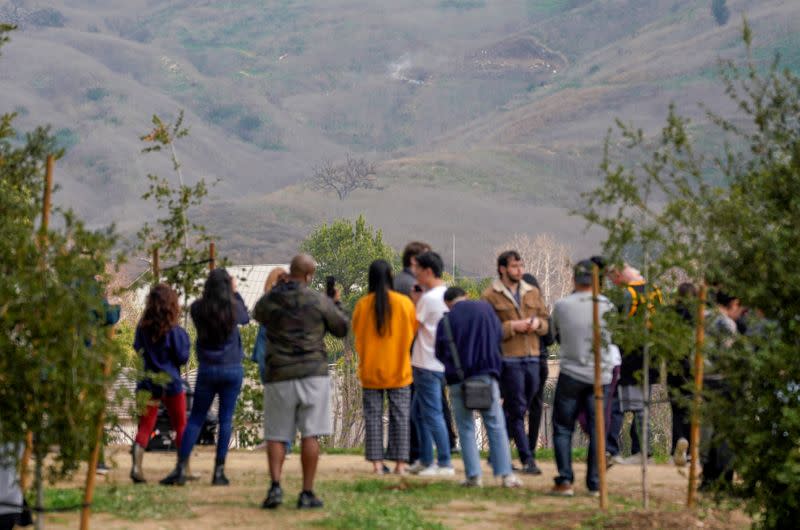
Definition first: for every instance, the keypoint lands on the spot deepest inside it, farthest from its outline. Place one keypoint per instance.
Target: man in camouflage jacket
(297, 387)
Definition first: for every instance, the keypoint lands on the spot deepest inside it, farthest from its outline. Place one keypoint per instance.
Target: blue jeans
(572, 395)
(519, 384)
(224, 380)
(495, 425)
(428, 417)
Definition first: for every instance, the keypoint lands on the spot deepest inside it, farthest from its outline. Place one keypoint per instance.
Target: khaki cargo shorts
(297, 405)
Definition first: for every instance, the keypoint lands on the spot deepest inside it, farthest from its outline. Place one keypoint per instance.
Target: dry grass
(356, 500)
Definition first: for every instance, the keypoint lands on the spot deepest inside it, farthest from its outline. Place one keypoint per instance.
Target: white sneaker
(472, 482)
(679, 458)
(446, 471)
(430, 471)
(617, 459)
(511, 481)
(415, 468)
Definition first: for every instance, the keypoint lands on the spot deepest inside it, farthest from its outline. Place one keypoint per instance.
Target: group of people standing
(418, 344)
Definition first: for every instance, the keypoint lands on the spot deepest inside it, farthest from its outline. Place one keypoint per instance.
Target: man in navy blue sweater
(476, 333)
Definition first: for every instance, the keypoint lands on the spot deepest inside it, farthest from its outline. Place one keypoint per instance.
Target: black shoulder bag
(477, 392)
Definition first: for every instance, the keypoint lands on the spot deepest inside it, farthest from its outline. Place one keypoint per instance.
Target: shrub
(48, 18)
(720, 11)
(66, 138)
(97, 93)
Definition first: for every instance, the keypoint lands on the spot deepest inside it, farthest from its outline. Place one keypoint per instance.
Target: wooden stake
(694, 434)
(156, 270)
(46, 205)
(23, 465)
(599, 408)
(212, 255)
(91, 473)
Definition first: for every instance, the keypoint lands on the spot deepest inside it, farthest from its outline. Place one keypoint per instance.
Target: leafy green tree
(345, 249)
(741, 232)
(182, 244)
(52, 379)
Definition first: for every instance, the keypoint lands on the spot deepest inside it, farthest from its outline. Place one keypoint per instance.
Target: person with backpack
(384, 325)
(217, 315)
(164, 346)
(468, 341)
(629, 393)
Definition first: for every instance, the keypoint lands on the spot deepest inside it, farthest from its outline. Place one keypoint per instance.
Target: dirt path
(238, 506)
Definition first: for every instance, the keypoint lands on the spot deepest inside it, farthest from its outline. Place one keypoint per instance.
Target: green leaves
(345, 249)
(52, 311)
(657, 202)
(182, 245)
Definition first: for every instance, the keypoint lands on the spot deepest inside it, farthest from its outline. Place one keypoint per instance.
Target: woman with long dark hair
(216, 316)
(384, 324)
(164, 347)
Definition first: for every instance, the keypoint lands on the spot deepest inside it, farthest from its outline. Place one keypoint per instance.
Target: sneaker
(472, 482)
(594, 493)
(563, 490)
(274, 498)
(102, 468)
(531, 468)
(429, 471)
(511, 481)
(445, 471)
(416, 467)
(609, 461)
(307, 499)
(679, 457)
(617, 459)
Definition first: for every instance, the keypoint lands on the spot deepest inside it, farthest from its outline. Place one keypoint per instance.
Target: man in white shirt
(426, 407)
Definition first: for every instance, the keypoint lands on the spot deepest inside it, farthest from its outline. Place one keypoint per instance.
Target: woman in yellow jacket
(384, 325)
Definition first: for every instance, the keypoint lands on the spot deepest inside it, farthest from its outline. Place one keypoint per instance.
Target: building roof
(250, 280)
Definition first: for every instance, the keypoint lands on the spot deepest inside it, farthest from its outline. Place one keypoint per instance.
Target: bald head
(302, 268)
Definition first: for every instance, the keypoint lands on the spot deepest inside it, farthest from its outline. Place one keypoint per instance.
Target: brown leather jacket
(515, 344)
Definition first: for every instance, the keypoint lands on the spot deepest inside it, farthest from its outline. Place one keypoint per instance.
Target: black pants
(8, 520)
(537, 406)
(718, 457)
(679, 398)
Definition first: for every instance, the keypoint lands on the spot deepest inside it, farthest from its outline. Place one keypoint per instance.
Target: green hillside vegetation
(486, 117)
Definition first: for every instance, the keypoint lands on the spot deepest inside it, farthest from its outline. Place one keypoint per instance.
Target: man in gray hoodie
(572, 324)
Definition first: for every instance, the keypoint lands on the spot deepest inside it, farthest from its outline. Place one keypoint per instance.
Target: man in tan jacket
(524, 317)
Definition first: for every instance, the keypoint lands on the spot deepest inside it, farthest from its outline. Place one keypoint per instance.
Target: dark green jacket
(296, 319)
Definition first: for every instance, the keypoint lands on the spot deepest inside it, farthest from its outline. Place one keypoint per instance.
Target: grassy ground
(357, 499)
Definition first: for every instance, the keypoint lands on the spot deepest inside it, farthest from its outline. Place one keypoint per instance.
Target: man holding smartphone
(524, 317)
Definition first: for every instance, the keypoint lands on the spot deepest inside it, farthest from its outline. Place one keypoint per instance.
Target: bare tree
(345, 177)
(547, 259)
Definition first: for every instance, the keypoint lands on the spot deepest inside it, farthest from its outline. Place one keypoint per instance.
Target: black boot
(178, 475)
(219, 475)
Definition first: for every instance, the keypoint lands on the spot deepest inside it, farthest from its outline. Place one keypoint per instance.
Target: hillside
(487, 117)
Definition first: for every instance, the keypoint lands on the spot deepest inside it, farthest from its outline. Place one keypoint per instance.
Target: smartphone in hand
(330, 286)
